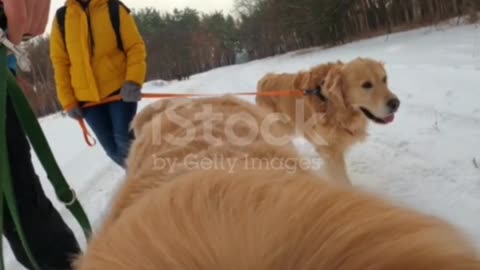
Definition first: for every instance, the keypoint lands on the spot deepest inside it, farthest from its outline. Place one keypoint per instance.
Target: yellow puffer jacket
(91, 67)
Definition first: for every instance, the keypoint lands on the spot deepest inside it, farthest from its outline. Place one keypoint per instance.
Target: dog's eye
(367, 85)
(384, 79)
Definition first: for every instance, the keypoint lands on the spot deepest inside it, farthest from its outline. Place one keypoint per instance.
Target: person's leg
(122, 114)
(52, 242)
(100, 121)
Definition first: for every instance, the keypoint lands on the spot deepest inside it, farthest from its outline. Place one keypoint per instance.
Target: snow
(155, 84)
(425, 159)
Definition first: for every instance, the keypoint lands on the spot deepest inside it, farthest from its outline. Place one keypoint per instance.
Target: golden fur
(339, 121)
(255, 219)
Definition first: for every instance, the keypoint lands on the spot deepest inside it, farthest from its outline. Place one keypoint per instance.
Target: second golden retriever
(333, 114)
(251, 216)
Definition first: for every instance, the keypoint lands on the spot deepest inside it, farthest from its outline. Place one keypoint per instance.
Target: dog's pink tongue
(389, 119)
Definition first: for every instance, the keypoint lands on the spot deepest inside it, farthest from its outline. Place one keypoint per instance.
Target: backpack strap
(61, 12)
(114, 9)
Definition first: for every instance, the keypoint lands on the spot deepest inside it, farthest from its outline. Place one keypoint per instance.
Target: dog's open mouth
(375, 119)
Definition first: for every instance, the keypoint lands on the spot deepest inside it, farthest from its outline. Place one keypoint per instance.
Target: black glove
(130, 92)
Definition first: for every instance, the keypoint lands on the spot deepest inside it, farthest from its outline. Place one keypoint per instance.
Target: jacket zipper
(90, 31)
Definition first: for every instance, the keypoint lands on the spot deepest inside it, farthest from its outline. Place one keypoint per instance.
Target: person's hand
(130, 92)
(75, 113)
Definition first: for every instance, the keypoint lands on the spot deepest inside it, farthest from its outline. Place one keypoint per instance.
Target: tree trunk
(386, 16)
(431, 10)
(406, 13)
(416, 10)
(365, 16)
(455, 7)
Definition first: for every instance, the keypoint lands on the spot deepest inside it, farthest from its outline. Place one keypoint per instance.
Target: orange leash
(287, 93)
(86, 134)
(91, 141)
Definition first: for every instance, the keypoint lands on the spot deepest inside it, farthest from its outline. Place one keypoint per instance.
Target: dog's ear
(303, 81)
(333, 87)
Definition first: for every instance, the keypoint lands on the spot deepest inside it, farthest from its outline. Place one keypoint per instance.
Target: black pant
(51, 241)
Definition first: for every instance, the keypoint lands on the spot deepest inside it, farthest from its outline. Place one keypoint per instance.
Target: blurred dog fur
(183, 217)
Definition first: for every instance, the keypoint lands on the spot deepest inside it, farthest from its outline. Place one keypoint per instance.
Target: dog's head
(362, 84)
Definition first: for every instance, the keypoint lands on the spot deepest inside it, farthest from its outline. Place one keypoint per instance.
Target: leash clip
(313, 92)
(72, 201)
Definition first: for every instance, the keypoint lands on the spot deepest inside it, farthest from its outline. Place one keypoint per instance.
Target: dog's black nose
(393, 104)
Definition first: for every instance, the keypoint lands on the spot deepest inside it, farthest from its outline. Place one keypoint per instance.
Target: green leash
(7, 192)
(40, 144)
(29, 123)
(4, 166)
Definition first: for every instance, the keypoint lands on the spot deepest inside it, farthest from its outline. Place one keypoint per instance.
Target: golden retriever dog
(333, 114)
(248, 212)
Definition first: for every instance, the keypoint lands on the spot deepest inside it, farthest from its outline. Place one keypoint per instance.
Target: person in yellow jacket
(89, 67)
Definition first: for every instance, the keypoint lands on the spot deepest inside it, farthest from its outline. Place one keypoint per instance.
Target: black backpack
(113, 9)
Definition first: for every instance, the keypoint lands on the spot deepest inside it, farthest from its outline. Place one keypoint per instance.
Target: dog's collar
(318, 92)
(315, 92)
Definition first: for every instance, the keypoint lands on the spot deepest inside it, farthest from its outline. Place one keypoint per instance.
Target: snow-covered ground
(426, 159)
